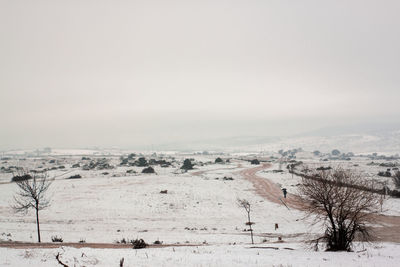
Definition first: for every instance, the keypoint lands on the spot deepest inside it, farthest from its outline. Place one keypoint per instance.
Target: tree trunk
(37, 224)
(251, 229)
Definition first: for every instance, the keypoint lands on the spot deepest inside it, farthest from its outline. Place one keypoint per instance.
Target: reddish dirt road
(27, 245)
(388, 231)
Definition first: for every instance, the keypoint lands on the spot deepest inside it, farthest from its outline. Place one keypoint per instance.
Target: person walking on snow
(284, 192)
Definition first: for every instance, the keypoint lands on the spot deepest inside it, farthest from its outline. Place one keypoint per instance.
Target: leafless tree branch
(337, 198)
(32, 195)
(246, 205)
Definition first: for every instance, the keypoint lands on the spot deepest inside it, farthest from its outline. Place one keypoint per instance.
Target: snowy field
(213, 255)
(198, 215)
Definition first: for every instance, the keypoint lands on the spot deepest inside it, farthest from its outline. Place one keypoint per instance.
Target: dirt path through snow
(389, 231)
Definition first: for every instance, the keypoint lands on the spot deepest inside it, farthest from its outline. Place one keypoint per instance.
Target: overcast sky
(131, 73)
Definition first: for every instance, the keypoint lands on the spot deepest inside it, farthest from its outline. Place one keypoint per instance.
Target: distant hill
(357, 139)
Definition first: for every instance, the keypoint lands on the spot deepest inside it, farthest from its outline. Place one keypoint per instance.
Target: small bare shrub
(76, 176)
(138, 244)
(157, 242)
(57, 239)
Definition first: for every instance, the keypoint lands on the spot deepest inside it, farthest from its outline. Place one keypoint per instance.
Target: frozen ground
(286, 180)
(199, 209)
(216, 255)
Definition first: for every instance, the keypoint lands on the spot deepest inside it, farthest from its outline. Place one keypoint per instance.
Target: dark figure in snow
(284, 192)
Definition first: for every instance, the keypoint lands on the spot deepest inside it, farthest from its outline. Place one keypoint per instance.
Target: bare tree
(339, 199)
(31, 195)
(396, 179)
(246, 205)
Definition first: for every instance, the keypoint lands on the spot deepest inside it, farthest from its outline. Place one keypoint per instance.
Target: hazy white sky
(128, 73)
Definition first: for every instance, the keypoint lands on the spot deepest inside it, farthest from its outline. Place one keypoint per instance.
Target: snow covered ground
(216, 255)
(200, 208)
